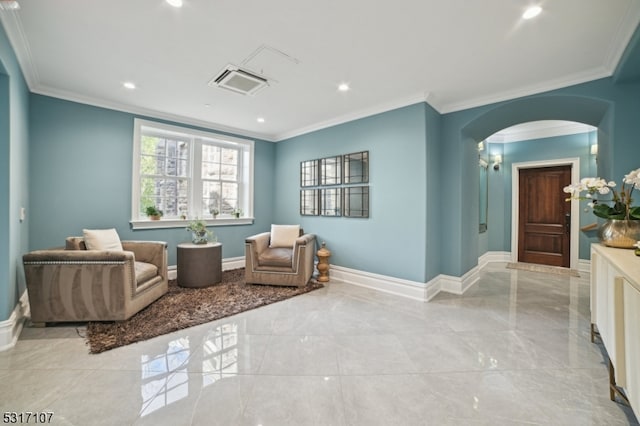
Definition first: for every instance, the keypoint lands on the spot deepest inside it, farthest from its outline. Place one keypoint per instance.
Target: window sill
(179, 223)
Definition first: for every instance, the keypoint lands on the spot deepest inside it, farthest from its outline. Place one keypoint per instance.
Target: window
(188, 173)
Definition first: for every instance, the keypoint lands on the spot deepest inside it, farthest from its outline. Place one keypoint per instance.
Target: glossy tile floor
(514, 349)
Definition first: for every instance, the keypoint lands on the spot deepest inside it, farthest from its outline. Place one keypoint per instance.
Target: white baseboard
(458, 285)
(233, 263)
(494, 256)
(584, 266)
(398, 286)
(10, 329)
(406, 288)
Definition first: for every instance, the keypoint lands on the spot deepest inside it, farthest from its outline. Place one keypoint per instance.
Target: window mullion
(195, 202)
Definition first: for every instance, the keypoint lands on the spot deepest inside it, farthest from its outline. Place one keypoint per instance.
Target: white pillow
(102, 239)
(284, 235)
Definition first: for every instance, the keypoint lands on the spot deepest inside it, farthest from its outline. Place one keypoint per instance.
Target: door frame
(575, 205)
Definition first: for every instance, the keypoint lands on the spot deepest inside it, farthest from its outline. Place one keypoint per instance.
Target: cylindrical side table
(199, 265)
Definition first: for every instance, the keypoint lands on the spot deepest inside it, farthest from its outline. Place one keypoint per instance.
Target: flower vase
(620, 233)
(199, 237)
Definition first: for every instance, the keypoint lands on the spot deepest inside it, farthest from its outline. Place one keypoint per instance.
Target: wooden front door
(544, 227)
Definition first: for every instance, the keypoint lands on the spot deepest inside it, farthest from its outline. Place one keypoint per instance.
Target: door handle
(567, 223)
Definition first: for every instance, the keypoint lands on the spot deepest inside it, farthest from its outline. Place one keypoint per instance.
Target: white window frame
(196, 139)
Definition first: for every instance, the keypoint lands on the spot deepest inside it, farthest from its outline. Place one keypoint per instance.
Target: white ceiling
(454, 54)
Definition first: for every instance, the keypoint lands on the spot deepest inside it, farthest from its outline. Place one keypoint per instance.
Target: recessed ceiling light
(531, 12)
(260, 120)
(129, 85)
(343, 87)
(175, 3)
(207, 105)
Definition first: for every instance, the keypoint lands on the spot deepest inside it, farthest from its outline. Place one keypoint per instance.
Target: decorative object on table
(323, 263)
(153, 212)
(622, 226)
(199, 232)
(186, 307)
(237, 213)
(637, 248)
(214, 213)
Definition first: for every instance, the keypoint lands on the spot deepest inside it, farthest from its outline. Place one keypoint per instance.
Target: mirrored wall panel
(356, 167)
(356, 201)
(309, 173)
(309, 202)
(331, 170)
(331, 202)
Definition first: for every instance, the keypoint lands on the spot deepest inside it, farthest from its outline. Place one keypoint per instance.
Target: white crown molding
(621, 40)
(18, 39)
(366, 112)
(578, 78)
(11, 328)
(74, 97)
(544, 130)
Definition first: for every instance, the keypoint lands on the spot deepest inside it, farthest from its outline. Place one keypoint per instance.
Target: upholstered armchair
(76, 284)
(276, 260)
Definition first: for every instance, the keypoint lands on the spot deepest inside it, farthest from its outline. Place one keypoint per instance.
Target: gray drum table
(199, 265)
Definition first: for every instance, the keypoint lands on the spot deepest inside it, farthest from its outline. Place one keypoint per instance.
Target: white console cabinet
(615, 310)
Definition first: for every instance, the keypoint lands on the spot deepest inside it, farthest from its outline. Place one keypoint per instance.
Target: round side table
(199, 265)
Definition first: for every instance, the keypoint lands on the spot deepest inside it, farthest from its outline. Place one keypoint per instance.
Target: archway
(591, 111)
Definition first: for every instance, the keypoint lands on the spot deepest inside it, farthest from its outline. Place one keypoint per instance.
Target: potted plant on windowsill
(237, 212)
(154, 213)
(199, 232)
(622, 226)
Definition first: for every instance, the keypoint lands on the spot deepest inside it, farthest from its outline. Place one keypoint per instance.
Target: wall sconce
(594, 149)
(497, 160)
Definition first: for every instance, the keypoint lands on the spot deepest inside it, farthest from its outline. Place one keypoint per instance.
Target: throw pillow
(102, 239)
(284, 235)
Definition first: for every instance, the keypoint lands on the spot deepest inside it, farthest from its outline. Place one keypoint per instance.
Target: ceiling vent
(239, 81)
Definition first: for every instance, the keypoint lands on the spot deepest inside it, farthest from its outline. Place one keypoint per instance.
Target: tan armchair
(282, 265)
(75, 284)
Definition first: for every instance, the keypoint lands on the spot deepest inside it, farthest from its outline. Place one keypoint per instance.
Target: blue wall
(81, 166)
(76, 160)
(612, 108)
(500, 202)
(14, 104)
(392, 240)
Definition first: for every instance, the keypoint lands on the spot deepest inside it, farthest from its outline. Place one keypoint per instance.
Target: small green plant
(153, 212)
(237, 212)
(199, 231)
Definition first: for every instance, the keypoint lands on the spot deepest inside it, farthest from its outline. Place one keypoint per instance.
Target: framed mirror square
(356, 167)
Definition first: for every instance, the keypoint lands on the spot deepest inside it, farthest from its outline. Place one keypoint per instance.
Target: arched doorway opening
(503, 237)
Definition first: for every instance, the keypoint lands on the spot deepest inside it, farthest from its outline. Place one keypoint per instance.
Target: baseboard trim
(494, 257)
(406, 288)
(11, 328)
(386, 284)
(584, 266)
(458, 285)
